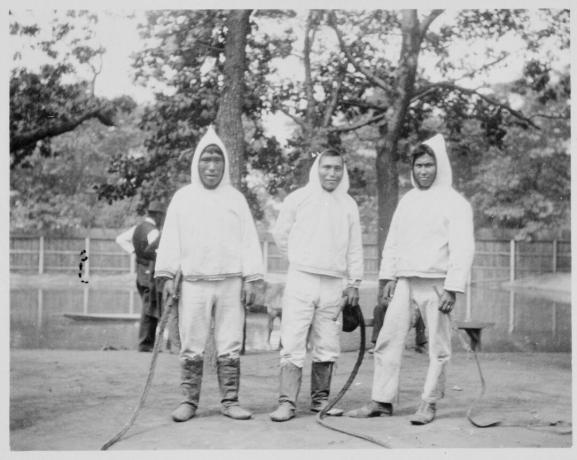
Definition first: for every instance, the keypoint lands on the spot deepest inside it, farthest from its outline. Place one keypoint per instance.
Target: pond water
(522, 322)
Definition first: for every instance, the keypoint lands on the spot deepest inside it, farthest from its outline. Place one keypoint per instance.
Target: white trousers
(410, 293)
(199, 300)
(310, 313)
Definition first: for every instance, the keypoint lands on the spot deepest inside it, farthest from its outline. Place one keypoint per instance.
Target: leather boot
(191, 379)
(372, 409)
(228, 372)
(321, 374)
(290, 384)
(425, 414)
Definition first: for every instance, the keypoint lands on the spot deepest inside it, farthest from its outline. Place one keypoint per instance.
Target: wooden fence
(495, 260)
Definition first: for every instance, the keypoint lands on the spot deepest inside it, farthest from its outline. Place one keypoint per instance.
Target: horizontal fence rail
(495, 260)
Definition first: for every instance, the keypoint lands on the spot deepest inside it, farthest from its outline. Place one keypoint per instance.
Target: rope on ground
(157, 343)
(477, 423)
(320, 416)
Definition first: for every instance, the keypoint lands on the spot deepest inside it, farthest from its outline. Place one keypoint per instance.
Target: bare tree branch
(363, 104)
(472, 92)
(331, 106)
(358, 66)
(552, 116)
(294, 118)
(428, 20)
(472, 73)
(360, 124)
(307, 64)
(19, 141)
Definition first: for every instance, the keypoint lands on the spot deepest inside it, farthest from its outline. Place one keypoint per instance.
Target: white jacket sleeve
(284, 224)
(461, 246)
(168, 253)
(124, 240)
(355, 260)
(252, 263)
(388, 270)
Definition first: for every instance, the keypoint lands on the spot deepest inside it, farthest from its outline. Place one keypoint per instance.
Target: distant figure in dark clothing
(143, 239)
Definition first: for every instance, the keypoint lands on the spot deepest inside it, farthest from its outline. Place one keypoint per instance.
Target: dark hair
(419, 151)
(332, 153)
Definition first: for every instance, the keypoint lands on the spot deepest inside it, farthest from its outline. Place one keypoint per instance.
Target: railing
(495, 260)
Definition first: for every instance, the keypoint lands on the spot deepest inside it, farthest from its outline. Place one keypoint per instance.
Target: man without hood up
(426, 260)
(209, 234)
(142, 239)
(319, 229)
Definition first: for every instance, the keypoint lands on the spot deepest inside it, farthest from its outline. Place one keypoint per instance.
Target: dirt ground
(71, 400)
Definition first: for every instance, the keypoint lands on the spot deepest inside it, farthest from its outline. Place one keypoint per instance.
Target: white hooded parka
(320, 231)
(209, 233)
(431, 233)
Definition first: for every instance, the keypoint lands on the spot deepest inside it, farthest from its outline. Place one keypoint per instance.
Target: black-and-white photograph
(307, 228)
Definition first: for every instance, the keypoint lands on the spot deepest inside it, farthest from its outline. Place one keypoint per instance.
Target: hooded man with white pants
(426, 260)
(319, 229)
(209, 234)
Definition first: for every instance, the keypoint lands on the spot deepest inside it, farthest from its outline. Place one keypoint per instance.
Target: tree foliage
(42, 103)
(373, 83)
(185, 54)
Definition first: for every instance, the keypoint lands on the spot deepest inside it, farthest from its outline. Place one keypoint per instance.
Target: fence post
(87, 264)
(468, 298)
(512, 260)
(132, 263)
(41, 256)
(265, 255)
(555, 249)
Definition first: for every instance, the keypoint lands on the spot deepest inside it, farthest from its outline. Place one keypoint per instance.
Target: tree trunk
(388, 185)
(387, 151)
(228, 118)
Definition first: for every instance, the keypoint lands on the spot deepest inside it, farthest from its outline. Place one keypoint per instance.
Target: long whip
(320, 416)
(172, 303)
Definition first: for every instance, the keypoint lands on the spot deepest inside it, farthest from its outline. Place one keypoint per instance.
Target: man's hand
(352, 295)
(387, 292)
(446, 301)
(168, 289)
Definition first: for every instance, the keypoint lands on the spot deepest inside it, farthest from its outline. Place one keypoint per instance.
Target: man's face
(330, 172)
(425, 171)
(211, 166)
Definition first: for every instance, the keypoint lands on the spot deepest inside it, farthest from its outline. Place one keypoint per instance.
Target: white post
(85, 300)
(40, 307)
(511, 291)
(265, 255)
(511, 311)
(132, 263)
(468, 298)
(512, 261)
(41, 256)
(87, 263)
(555, 249)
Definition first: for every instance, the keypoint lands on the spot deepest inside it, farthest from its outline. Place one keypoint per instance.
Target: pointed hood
(315, 182)
(210, 138)
(444, 176)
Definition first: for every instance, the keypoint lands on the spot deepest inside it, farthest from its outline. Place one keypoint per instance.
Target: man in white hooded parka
(426, 260)
(319, 229)
(210, 235)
